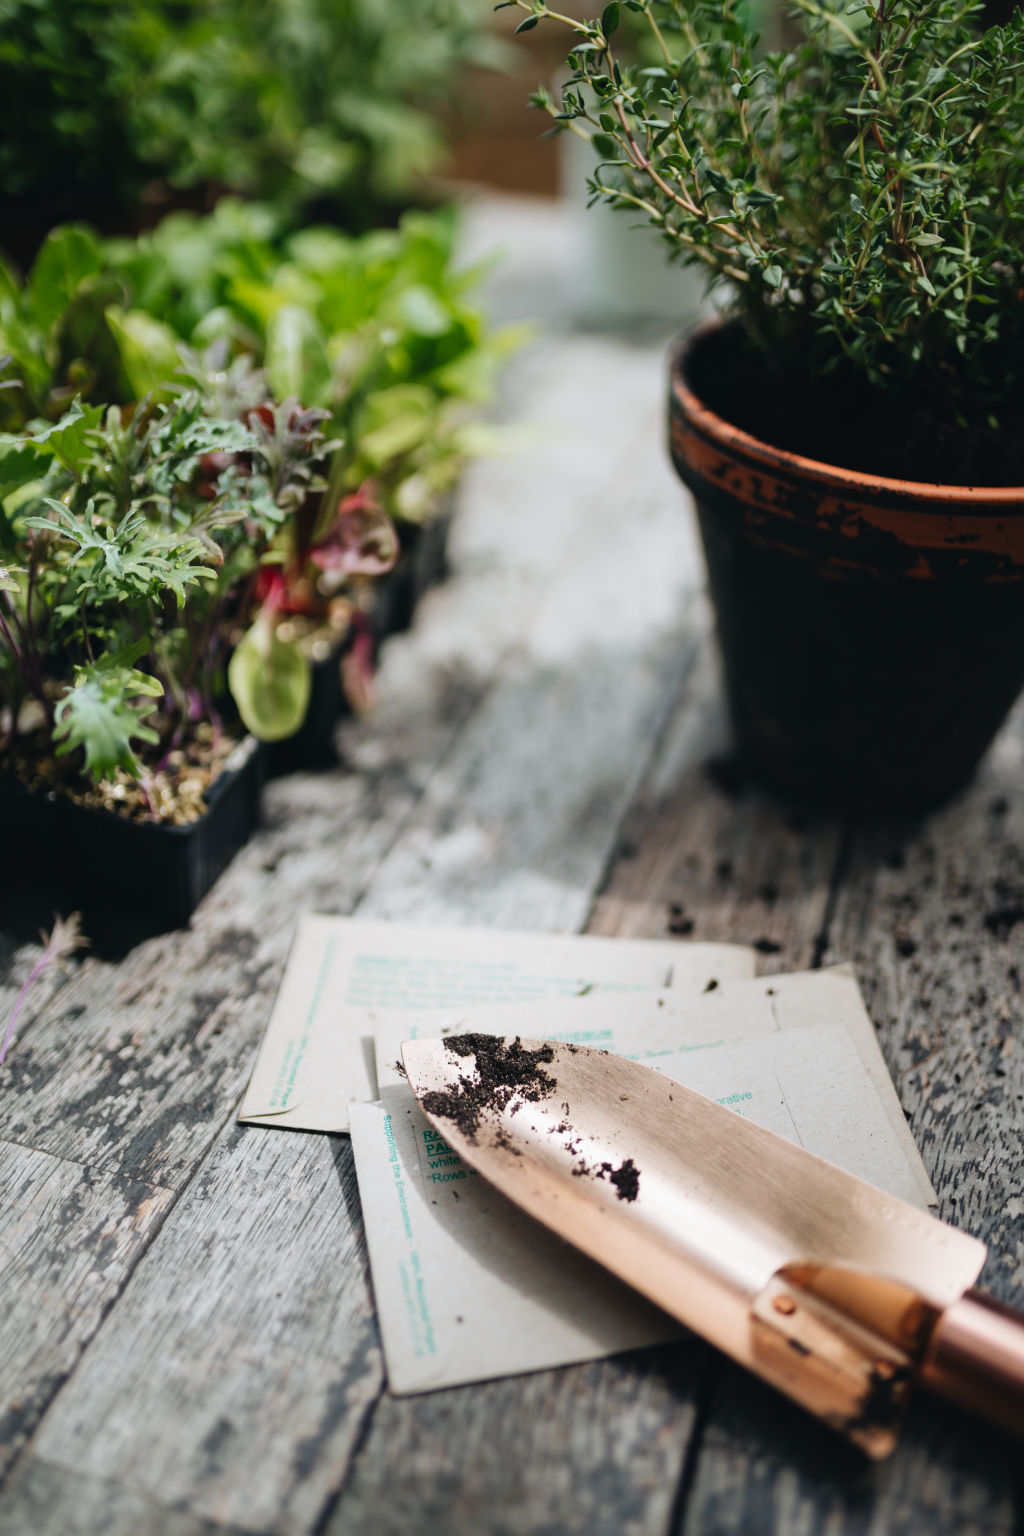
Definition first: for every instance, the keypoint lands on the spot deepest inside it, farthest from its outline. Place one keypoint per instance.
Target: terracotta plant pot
(872, 630)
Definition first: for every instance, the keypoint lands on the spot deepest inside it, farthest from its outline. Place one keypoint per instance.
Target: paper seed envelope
(318, 1052)
(468, 1287)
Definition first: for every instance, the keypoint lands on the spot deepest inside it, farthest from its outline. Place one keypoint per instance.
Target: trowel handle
(976, 1359)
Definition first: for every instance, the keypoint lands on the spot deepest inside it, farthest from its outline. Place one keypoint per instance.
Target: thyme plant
(860, 195)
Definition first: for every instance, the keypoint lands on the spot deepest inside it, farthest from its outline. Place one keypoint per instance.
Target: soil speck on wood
(1002, 920)
(678, 922)
(767, 946)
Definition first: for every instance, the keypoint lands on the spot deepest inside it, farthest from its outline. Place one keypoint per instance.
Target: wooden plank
(517, 827)
(708, 856)
(934, 915)
(928, 911)
(591, 1450)
(46, 1501)
(20, 950)
(234, 1376)
(237, 1378)
(763, 1466)
(69, 1236)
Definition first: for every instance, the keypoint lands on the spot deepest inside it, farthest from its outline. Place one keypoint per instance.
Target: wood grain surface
(188, 1343)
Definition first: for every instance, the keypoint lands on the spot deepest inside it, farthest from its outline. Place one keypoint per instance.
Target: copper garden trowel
(837, 1293)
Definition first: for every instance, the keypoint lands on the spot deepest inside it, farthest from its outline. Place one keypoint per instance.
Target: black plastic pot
(872, 630)
(422, 563)
(95, 858)
(313, 745)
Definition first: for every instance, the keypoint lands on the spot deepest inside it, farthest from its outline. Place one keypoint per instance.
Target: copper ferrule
(976, 1359)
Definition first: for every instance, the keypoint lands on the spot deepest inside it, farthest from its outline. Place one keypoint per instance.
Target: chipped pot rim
(687, 406)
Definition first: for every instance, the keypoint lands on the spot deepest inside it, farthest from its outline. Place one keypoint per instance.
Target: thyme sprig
(859, 195)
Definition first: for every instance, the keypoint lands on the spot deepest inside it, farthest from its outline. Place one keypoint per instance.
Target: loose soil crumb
(626, 1179)
(505, 1075)
(504, 1078)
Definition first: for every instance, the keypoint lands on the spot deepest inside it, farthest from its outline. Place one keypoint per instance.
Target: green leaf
(149, 351)
(20, 463)
(296, 359)
(270, 682)
(422, 311)
(395, 421)
(527, 25)
(610, 18)
(773, 276)
(132, 559)
(69, 439)
(604, 145)
(69, 255)
(98, 717)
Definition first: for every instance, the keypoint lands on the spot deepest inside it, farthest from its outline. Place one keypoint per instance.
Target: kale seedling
(130, 550)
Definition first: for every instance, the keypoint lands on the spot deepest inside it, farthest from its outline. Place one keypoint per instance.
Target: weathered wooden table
(187, 1333)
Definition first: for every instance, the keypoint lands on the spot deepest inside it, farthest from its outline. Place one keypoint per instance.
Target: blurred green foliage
(380, 330)
(303, 102)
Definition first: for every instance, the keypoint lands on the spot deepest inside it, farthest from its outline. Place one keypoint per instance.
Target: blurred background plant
(328, 108)
(378, 330)
(173, 315)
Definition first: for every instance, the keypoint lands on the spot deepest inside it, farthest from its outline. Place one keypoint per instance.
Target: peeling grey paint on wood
(234, 1375)
(47, 1501)
(69, 1236)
